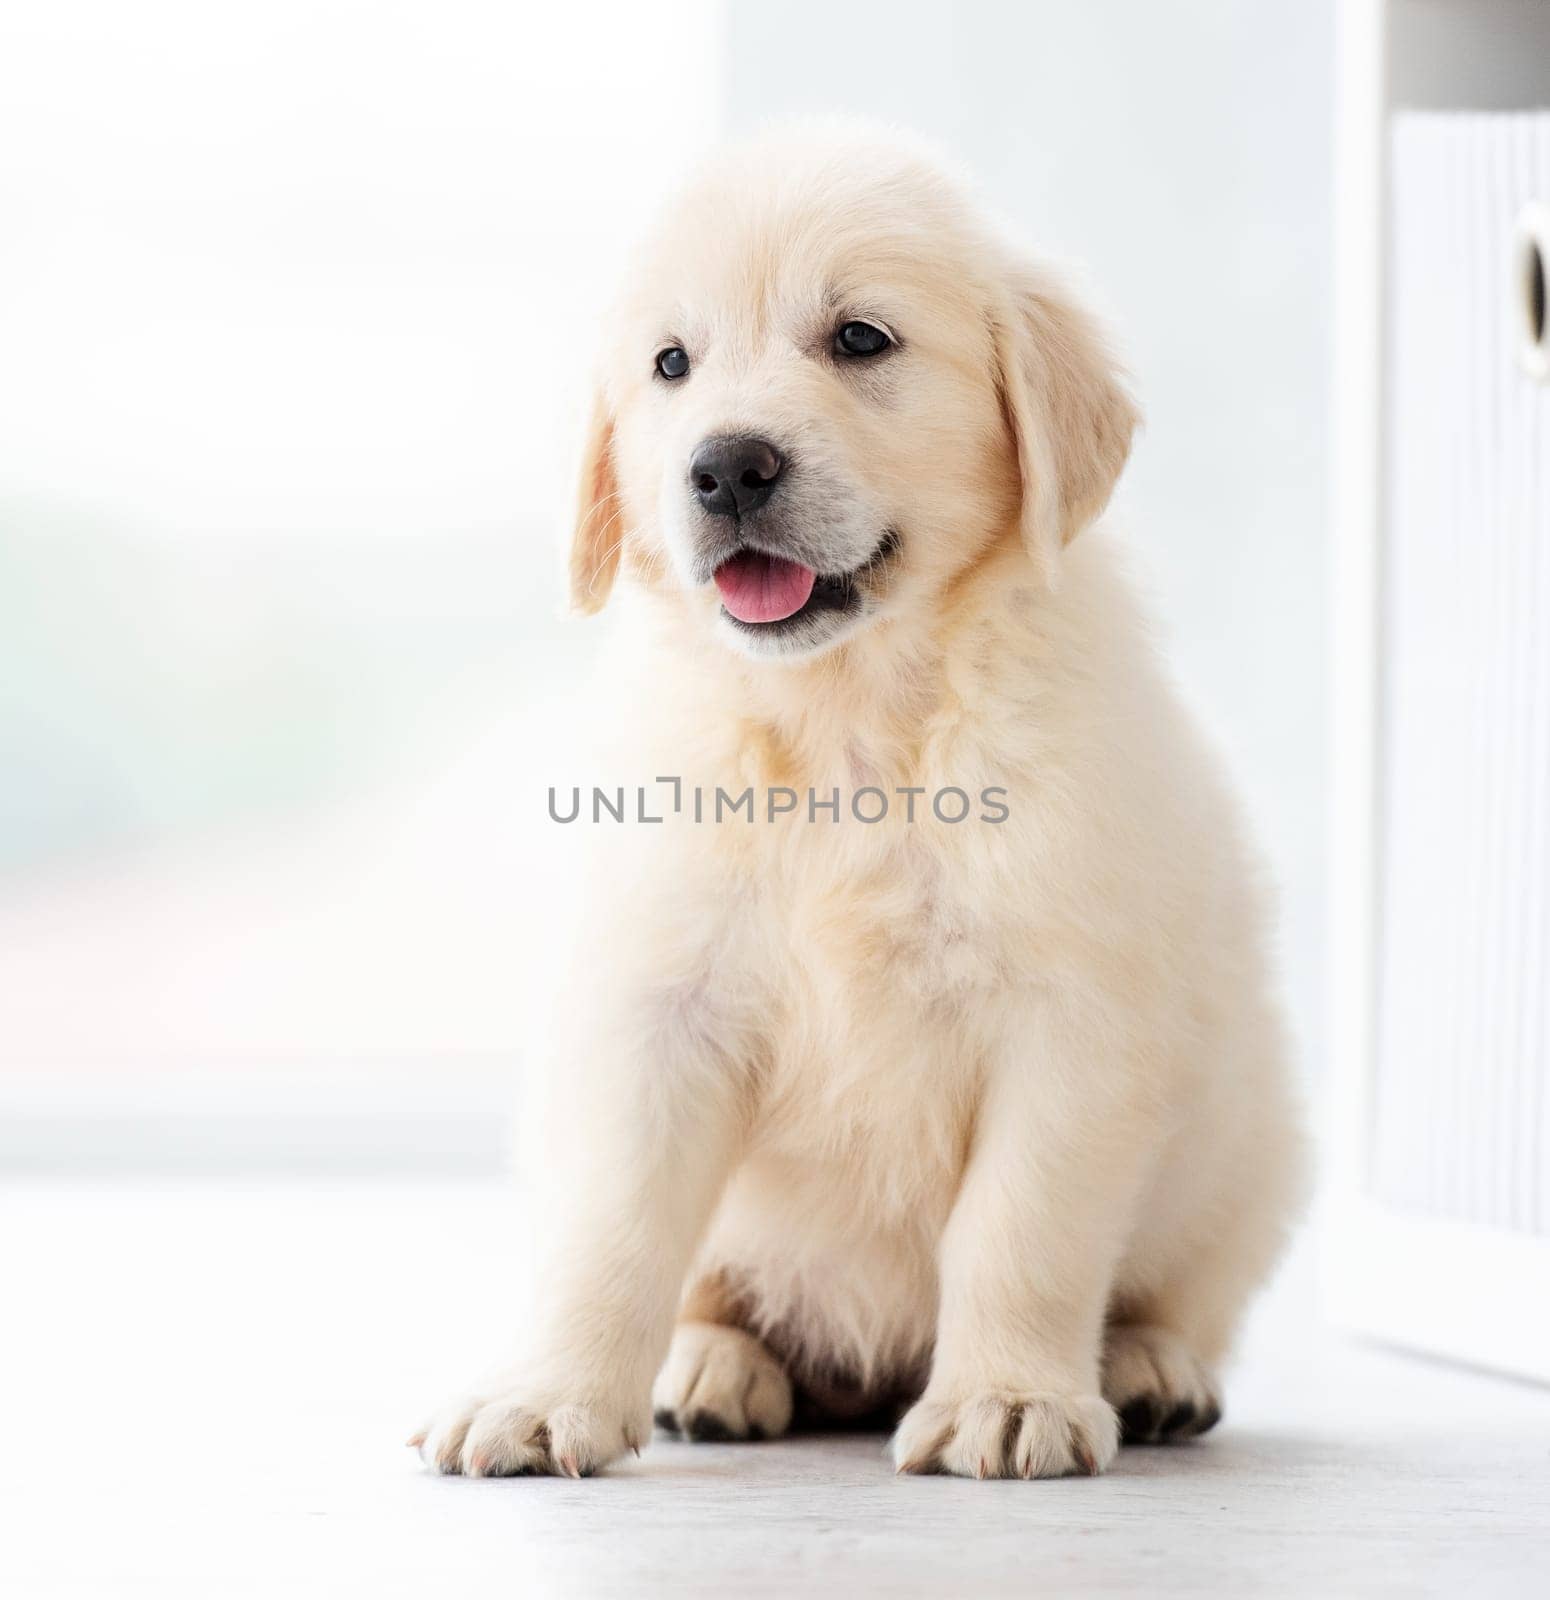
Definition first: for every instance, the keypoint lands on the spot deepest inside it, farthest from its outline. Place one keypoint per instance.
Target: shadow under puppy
(988, 1117)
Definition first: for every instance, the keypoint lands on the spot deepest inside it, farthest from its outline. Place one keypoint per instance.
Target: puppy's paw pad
(1008, 1436)
(721, 1384)
(509, 1435)
(1160, 1389)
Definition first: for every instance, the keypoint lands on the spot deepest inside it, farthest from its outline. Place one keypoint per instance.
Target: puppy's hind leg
(1162, 1391)
(1164, 1343)
(720, 1382)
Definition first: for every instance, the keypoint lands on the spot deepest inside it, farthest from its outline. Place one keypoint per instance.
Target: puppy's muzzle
(733, 474)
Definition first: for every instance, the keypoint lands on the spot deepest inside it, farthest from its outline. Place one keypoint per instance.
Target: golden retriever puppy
(923, 1056)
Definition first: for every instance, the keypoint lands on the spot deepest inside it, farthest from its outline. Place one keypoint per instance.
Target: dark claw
(706, 1428)
(666, 1419)
(1140, 1420)
(1208, 1418)
(1179, 1419)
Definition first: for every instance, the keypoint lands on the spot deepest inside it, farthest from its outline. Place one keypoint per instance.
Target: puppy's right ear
(599, 530)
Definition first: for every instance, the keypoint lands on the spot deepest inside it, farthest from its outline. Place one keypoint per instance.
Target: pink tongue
(758, 588)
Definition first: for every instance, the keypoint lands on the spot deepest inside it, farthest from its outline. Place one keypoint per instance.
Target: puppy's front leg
(1027, 1257)
(645, 1120)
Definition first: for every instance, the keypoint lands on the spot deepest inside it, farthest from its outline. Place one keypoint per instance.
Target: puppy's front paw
(1162, 1392)
(1007, 1436)
(513, 1434)
(721, 1383)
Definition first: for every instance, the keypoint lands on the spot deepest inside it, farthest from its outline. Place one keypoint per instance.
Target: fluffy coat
(988, 1120)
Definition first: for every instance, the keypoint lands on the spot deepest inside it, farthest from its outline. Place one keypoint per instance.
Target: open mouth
(765, 593)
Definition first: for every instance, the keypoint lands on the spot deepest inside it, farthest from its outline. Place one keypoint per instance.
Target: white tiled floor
(205, 1389)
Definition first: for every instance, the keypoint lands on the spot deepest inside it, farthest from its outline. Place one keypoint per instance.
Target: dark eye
(860, 339)
(673, 362)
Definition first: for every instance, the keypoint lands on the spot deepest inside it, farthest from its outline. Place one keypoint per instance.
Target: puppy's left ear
(599, 530)
(1070, 415)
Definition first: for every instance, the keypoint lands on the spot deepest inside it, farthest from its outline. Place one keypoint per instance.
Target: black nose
(733, 473)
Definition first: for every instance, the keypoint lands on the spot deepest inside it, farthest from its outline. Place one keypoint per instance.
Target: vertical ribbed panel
(1461, 1112)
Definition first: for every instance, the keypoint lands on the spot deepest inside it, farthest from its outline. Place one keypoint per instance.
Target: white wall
(1181, 152)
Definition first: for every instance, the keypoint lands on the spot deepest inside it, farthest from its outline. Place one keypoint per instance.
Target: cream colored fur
(992, 1118)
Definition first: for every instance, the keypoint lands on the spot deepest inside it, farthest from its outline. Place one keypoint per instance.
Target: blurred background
(296, 305)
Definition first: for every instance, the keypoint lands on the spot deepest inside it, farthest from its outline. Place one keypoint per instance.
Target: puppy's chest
(878, 1041)
(889, 915)
(881, 960)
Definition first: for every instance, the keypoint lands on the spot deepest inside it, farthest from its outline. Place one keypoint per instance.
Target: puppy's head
(828, 389)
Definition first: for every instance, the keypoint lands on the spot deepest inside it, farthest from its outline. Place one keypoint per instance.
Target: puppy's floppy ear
(599, 530)
(1070, 416)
